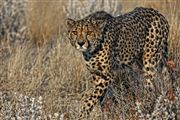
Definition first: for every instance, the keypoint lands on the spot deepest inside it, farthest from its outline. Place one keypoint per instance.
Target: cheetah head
(84, 35)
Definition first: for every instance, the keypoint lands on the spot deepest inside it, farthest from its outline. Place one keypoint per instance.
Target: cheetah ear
(70, 23)
(100, 24)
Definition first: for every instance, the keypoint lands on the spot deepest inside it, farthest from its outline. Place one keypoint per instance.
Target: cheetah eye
(89, 32)
(74, 32)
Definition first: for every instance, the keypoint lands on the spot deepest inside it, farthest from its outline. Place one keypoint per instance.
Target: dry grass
(44, 18)
(56, 71)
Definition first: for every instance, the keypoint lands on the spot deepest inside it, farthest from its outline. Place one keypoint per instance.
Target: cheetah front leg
(101, 84)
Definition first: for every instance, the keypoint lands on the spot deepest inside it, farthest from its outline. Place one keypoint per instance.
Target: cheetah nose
(81, 43)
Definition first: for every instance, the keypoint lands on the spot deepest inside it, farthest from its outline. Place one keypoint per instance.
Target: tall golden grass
(45, 19)
(56, 71)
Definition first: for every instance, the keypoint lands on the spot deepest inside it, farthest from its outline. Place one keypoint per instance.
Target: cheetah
(108, 42)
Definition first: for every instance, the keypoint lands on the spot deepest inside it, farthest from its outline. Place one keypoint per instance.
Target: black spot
(87, 65)
(101, 85)
(166, 49)
(94, 96)
(103, 66)
(147, 40)
(149, 26)
(152, 43)
(100, 91)
(147, 68)
(148, 34)
(102, 60)
(91, 108)
(147, 50)
(86, 58)
(152, 36)
(149, 61)
(154, 23)
(156, 18)
(99, 54)
(97, 89)
(106, 48)
(161, 22)
(106, 62)
(97, 59)
(152, 30)
(156, 59)
(88, 104)
(100, 68)
(106, 84)
(157, 31)
(122, 55)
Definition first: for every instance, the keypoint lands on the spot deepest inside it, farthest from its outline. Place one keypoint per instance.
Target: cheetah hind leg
(154, 67)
